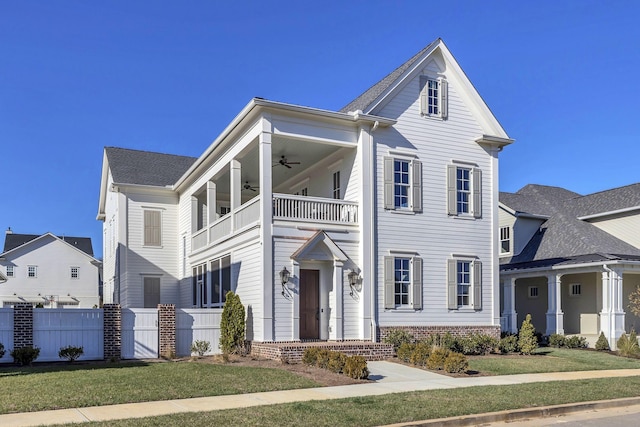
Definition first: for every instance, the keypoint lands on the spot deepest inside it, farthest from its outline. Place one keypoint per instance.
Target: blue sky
(75, 76)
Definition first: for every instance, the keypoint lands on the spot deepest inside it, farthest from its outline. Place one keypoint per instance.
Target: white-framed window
(75, 272)
(32, 271)
(402, 184)
(403, 282)
(433, 97)
(505, 240)
(199, 280)
(220, 280)
(336, 185)
(304, 191)
(10, 271)
(152, 227)
(575, 289)
(533, 292)
(464, 283)
(224, 210)
(464, 191)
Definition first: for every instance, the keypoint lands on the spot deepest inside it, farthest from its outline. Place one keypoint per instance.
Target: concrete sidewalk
(388, 377)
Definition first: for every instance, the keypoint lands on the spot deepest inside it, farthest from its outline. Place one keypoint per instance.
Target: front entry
(309, 304)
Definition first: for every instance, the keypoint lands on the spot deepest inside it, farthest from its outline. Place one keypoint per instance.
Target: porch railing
(314, 209)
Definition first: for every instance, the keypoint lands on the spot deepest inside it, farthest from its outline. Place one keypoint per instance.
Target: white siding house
(382, 215)
(49, 270)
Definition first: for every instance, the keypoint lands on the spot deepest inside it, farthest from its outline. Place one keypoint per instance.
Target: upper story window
(433, 97)
(505, 240)
(336, 185)
(32, 271)
(402, 282)
(464, 191)
(464, 284)
(402, 184)
(10, 271)
(75, 272)
(152, 228)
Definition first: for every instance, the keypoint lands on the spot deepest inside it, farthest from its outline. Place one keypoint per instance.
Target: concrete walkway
(388, 377)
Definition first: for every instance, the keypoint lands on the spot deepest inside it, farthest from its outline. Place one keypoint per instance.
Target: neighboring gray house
(569, 260)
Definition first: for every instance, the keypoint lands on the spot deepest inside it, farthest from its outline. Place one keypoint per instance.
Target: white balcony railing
(247, 213)
(314, 209)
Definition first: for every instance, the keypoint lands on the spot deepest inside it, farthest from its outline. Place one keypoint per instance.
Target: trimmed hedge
(335, 361)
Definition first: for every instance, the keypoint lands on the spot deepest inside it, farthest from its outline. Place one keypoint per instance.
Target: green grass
(551, 360)
(403, 407)
(69, 386)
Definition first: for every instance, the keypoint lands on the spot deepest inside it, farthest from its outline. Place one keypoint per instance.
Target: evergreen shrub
(232, 325)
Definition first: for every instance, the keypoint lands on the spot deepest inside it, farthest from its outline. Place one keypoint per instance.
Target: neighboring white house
(330, 225)
(49, 270)
(569, 260)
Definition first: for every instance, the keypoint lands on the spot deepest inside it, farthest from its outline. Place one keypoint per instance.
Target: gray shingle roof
(145, 167)
(609, 200)
(363, 101)
(563, 237)
(14, 240)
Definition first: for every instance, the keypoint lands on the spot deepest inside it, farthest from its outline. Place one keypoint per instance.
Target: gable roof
(146, 167)
(563, 237)
(615, 199)
(13, 241)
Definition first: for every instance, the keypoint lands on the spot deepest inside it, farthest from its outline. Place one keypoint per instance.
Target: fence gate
(6, 332)
(139, 333)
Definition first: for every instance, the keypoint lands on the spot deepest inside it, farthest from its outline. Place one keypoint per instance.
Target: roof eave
(494, 141)
(609, 213)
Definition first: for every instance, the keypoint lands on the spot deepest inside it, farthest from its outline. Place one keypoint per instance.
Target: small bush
(628, 346)
(1, 350)
(477, 344)
(575, 342)
(232, 325)
(24, 356)
(420, 354)
(557, 340)
(200, 347)
(527, 342)
(456, 363)
(397, 337)
(405, 350)
(436, 358)
(322, 359)
(508, 344)
(602, 344)
(336, 362)
(356, 367)
(70, 353)
(310, 356)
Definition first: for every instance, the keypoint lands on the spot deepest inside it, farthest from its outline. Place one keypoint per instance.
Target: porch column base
(555, 323)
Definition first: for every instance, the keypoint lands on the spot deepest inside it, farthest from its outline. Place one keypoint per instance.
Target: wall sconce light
(354, 282)
(284, 278)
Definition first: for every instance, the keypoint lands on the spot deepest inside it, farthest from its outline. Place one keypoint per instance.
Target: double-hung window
(403, 282)
(32, 271)
(10, 271)
(433, 97)
(402, 184)
(464, 191)
(505, 240)
(199, 286)
(464, 284)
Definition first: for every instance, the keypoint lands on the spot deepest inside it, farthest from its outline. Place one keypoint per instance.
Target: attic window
(433, 97)
(575, 289)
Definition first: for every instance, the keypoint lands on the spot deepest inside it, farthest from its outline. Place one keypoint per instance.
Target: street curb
(522, 414)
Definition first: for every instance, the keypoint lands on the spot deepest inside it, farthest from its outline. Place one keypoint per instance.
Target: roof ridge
(148, 151)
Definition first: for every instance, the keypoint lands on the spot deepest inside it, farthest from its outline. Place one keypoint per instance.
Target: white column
(509, 302)
(555, 316)
(266, 236)
(336, 305)
(194, 214)
(617, 314)
(366, 214)
(211, 202)
(605, 314)
(294, 287)
(235, 179)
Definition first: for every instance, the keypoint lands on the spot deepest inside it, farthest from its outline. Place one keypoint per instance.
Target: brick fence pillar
(22, 325)
(112, 322)
(167, 330)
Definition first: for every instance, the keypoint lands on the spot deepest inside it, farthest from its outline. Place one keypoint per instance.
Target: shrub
(356, 367)
(322, 358)
(527, 342)
(602, 344)
(70, 353)
(200, 347)
(508, 344)
(310, 356)
(405, 350)
(477, 344)
(1, 350)
(447, 341)
(232, 325)
(628, 345)
(420, 354)
(24, 356)
(436, 358)
(397, 337)
(557, 340)
(575, 342)
(456, 363)
(336, 362)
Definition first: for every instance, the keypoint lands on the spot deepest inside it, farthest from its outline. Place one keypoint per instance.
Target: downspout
(373, 254)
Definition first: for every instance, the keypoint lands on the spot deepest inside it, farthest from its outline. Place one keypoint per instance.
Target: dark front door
(309, 304)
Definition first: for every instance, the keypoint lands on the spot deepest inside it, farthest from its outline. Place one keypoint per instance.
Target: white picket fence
(6, 332)
(197, 324)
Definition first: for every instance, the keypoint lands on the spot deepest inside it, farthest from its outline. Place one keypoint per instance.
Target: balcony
(286, 207)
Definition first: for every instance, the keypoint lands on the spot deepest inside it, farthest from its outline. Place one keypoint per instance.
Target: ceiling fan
(286, 163)
(247, 186)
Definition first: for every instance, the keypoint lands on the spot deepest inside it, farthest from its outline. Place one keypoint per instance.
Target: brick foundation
(291, 352)
(423, 332)
(167, 330)
(112, 321)
(22, 325)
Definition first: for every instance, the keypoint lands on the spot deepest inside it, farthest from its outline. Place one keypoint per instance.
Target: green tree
(232, 325)
(527, 341)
